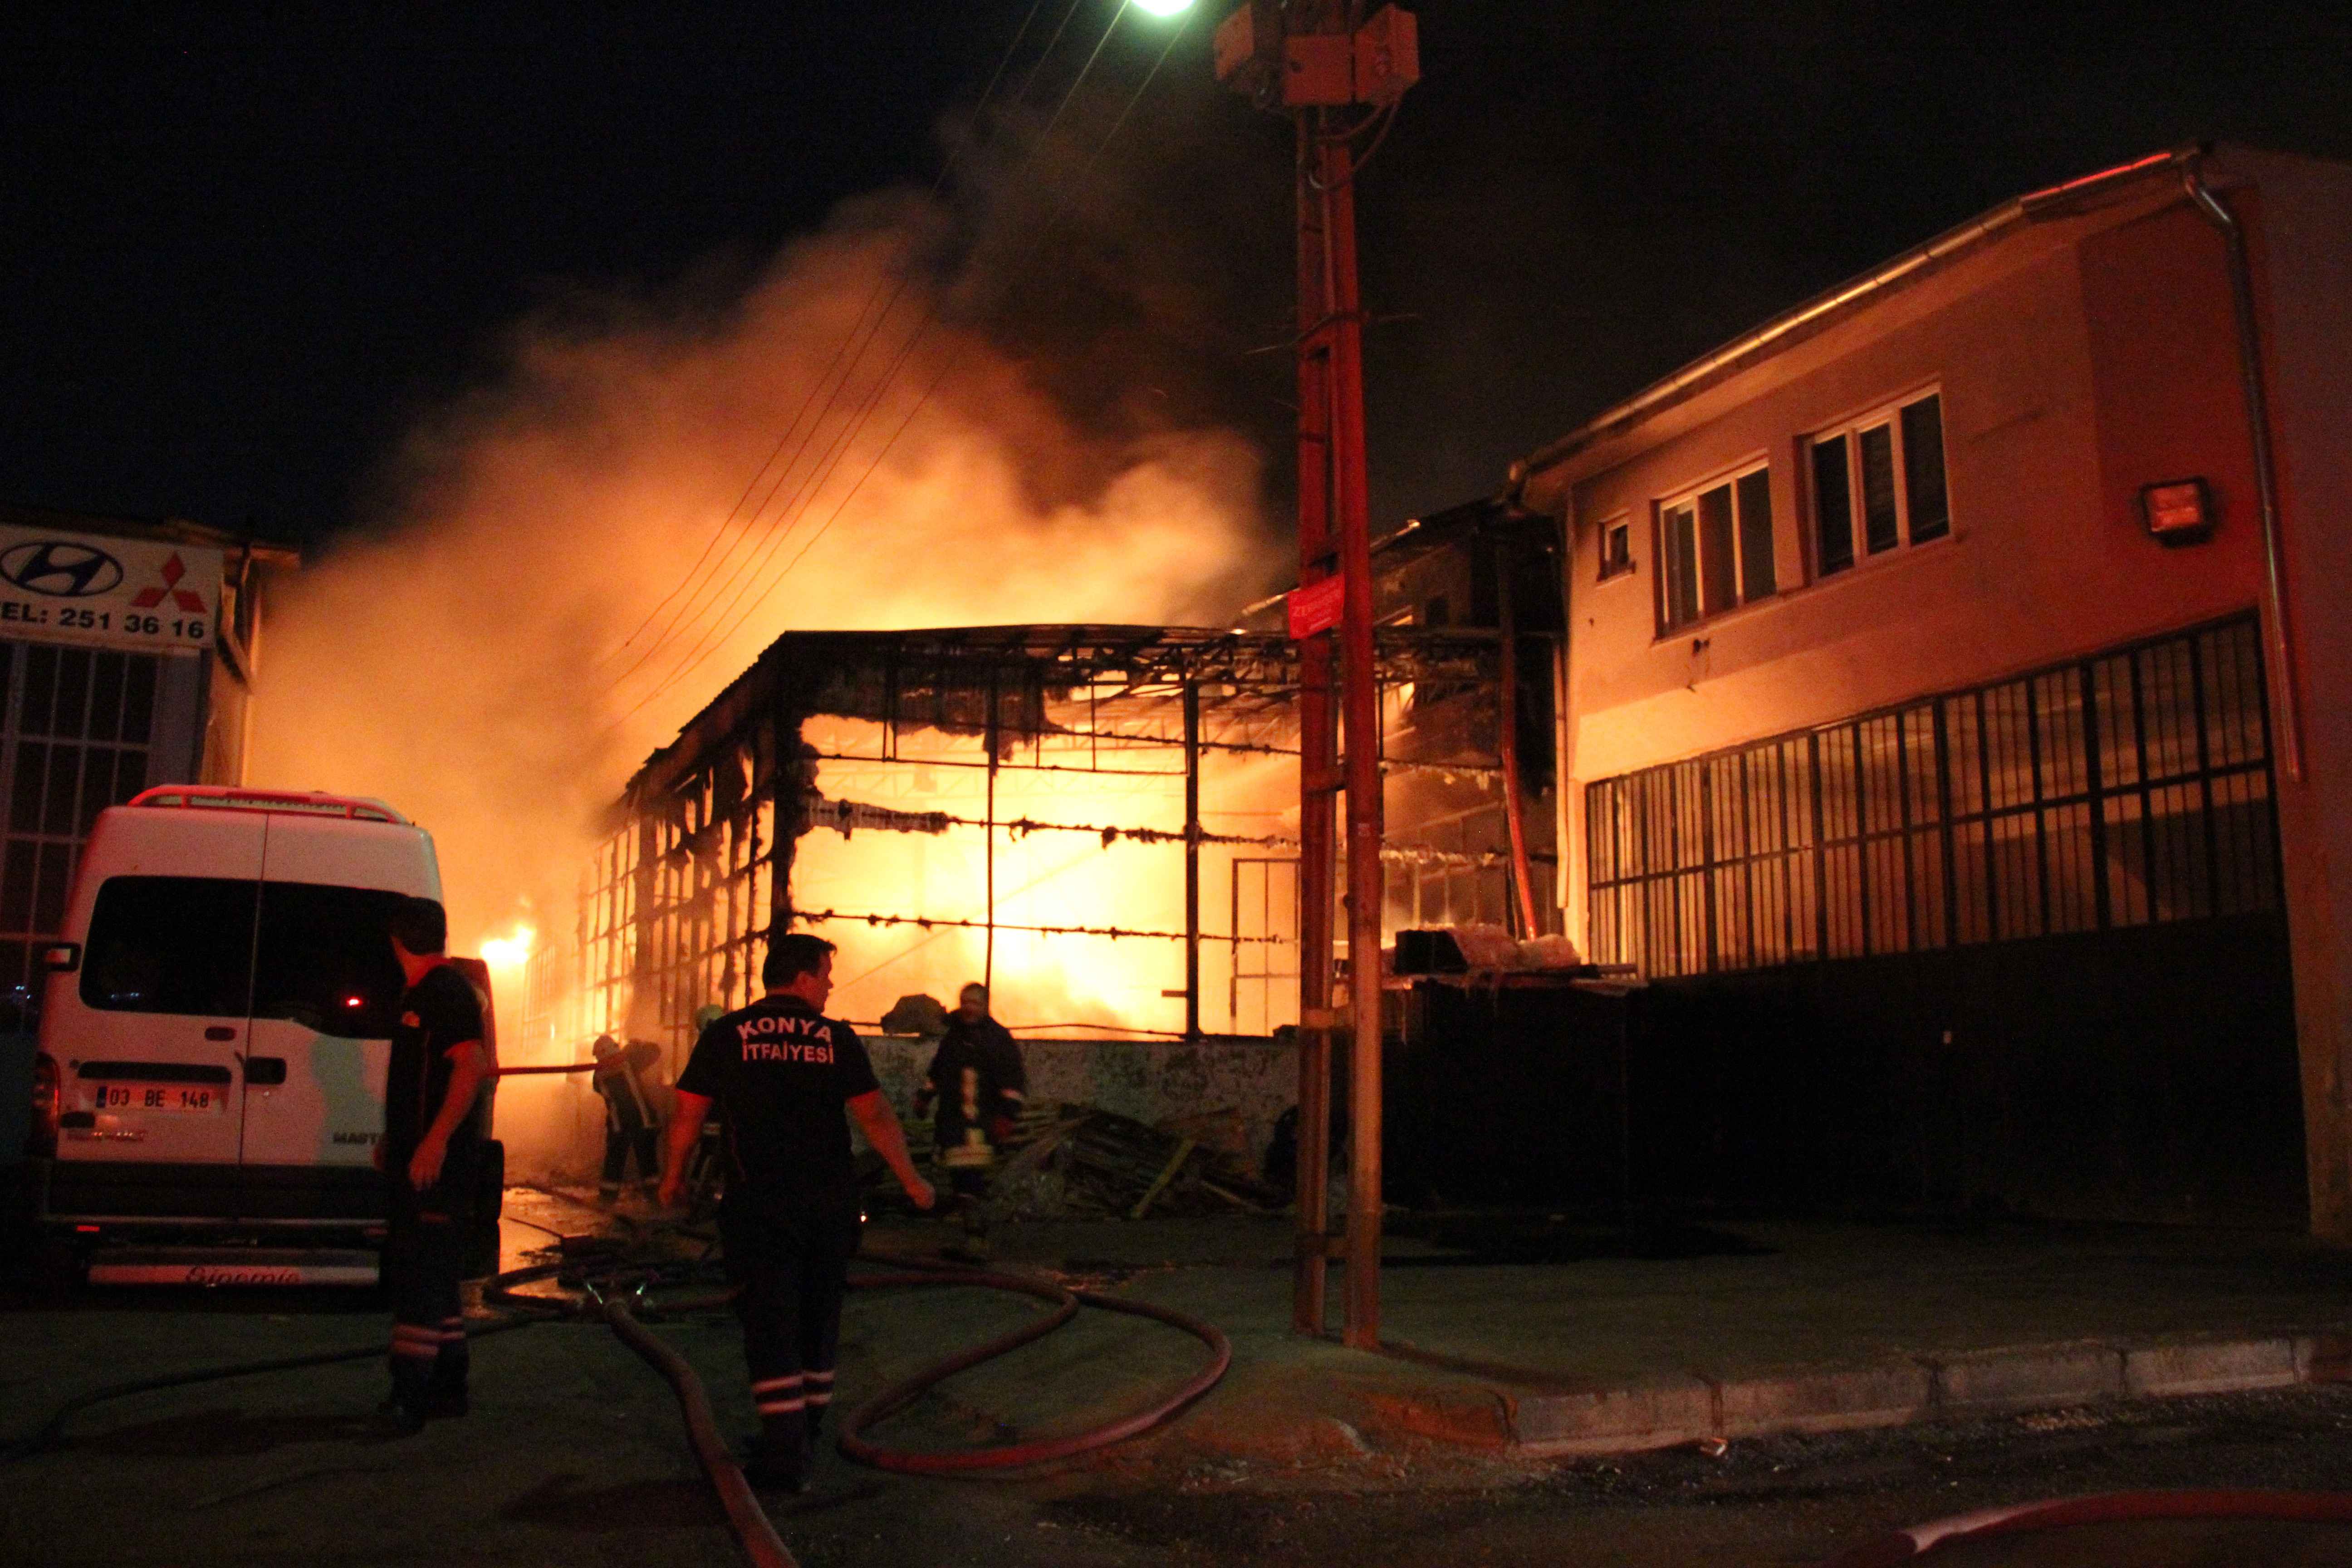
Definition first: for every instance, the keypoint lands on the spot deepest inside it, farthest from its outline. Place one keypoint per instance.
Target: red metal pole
(1334, 539)
(1319, 773)
(1360, 690)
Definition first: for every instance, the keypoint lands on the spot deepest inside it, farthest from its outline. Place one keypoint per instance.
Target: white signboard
(152, 595)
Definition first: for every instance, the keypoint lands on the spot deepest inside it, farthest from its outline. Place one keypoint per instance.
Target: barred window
(2130, 788)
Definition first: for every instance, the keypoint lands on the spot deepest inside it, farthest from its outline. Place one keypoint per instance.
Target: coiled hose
(905, 1271)
(1067, 1302)
(608, 1286)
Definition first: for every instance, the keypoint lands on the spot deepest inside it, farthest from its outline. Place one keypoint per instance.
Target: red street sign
(1315, 607)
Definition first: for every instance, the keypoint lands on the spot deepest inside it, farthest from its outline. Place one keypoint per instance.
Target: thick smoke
(467, 660)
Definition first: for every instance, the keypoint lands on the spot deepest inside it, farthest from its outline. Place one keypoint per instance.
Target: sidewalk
(1621, 1341)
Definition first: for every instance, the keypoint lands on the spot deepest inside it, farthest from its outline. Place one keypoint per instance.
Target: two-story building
(1959, 715)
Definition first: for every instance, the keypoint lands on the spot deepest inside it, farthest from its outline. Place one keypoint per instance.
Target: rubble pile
(1080, 1161)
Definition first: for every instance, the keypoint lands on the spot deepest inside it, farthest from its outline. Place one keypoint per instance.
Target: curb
(1696, 1408)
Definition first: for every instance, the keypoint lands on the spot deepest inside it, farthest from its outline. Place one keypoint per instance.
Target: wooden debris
(1077, 1161)
(1166, 1174)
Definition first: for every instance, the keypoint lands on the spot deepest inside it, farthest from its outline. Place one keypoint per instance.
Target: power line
(779, 530)
(716, 637)
(856, 325)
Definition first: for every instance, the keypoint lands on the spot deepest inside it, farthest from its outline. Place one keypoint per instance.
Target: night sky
(245, 250)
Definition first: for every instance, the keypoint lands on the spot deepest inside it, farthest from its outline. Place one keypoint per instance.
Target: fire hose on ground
(605, 1297)
(757, 1538)
(1924, 1542)
(926, 1273)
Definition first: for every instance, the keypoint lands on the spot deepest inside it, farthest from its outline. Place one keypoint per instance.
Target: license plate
(177, 1099)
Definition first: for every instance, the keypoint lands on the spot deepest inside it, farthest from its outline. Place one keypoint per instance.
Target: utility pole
(1338, 76)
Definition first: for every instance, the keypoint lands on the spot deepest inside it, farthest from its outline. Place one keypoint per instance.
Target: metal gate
(2130, 788)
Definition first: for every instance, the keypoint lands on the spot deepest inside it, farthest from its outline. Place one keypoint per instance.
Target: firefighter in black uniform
(435, 1118)
(779, 1072)
(981, 1088)
(632, 1119)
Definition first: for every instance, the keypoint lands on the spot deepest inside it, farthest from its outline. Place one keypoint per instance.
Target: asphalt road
(575, 1457)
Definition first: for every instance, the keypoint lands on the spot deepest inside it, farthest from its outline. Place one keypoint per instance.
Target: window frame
(1886, 415)
(141, 915)
(1729, 480)
(1622, 525)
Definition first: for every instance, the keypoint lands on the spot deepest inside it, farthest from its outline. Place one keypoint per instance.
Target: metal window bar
(76, 728)
(2124, 788)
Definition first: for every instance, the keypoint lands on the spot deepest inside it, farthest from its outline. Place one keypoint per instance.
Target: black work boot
(445, 1393)
(779, 1460)
(403, 1414)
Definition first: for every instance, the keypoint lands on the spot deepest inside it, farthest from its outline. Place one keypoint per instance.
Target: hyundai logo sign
(62, 569)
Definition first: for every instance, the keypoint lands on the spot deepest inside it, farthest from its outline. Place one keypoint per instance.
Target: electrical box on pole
(1340, 76)
(1299, 69)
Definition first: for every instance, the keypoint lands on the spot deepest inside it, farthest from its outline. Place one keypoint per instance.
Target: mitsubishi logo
(62, 570)
(174, 571)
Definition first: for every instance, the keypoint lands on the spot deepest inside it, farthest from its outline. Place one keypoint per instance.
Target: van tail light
(46, 1098)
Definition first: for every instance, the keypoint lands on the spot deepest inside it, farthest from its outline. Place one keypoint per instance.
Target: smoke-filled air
(573, 561)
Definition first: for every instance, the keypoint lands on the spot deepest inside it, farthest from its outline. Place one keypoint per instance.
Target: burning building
(1100, 820)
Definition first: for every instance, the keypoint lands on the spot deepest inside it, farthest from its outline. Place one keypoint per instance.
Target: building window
(1616, 548)
(1878, 484)
(1716, 544)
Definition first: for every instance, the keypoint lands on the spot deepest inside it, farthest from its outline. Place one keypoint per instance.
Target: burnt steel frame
(696, 868)
(2128, 788)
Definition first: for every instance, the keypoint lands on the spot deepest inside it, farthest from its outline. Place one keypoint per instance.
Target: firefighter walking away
(780, 1073)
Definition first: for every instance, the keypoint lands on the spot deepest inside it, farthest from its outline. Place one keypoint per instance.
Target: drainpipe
(2258, 428)
(1507, 747)
(1568, 860)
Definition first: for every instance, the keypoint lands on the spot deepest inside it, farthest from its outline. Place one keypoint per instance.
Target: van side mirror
(61, 957)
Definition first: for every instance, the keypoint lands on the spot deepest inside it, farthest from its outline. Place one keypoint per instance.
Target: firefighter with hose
(779, 1072)
(632, 1114)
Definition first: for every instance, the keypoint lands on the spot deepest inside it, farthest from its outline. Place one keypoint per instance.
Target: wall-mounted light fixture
(2178, 511)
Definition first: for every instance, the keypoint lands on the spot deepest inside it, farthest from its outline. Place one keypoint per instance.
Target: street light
(1163, 8)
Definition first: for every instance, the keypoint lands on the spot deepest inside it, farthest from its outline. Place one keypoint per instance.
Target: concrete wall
(1151, 1080)
(2303, 262)
(554, 1126)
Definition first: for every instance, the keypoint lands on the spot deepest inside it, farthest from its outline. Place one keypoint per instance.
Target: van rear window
(325, 959)
(170, 944)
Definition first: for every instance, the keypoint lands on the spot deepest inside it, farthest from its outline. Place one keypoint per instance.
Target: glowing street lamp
(1163, 8)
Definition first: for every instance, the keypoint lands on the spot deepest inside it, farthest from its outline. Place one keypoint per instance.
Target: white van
(215, 1032)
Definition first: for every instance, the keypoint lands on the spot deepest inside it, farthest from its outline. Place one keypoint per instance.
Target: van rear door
(326, 991)
(149, 1042)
